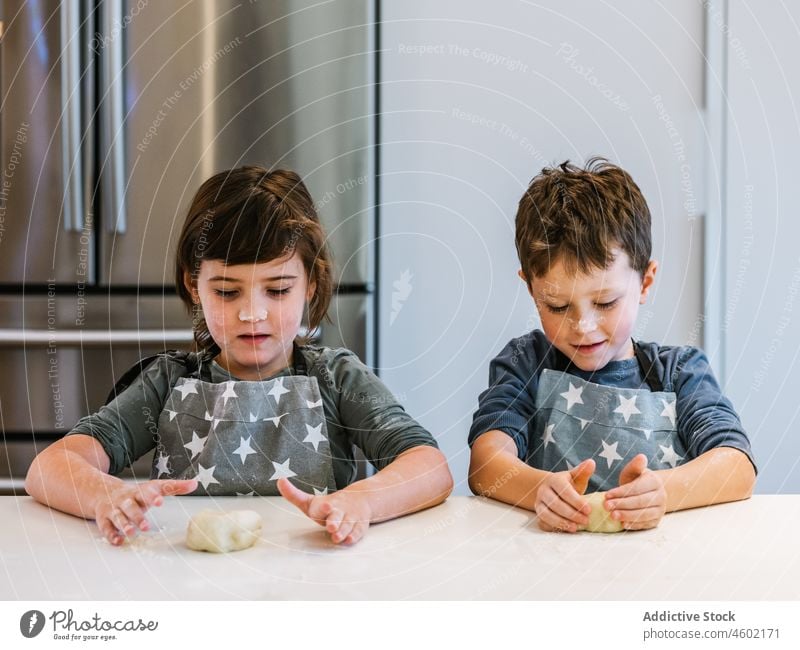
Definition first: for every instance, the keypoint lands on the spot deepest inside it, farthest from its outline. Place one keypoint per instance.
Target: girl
(254, 410)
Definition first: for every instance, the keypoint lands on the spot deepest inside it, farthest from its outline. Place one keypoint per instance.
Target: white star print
(249, 494)
(573, 396)
(171, 414)
(670, 456)
(244, 449)
(548, 435)
(276, 420)
(196, 445)
(669, 410)
(312, 405)
(627, 407)
(282, 470)
(647, 433)
(320, 493)
(163, 465)
(570, 466)
(610, 453)
(206, 476)
(229, 392)
(253, 418)
(278, 390)
(189, 387)
(314, 436)
(583, 423)
(214, 421)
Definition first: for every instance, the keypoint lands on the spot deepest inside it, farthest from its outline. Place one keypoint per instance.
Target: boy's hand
(641, 500)
(559, 505)
(120, 512)
(344, 515)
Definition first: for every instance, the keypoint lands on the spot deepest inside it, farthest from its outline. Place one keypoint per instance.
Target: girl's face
(253, 312)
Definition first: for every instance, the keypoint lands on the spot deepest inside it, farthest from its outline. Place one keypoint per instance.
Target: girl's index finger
(168, 488)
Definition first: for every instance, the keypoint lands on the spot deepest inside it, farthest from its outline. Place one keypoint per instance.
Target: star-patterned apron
(240, 437)
(577, 419)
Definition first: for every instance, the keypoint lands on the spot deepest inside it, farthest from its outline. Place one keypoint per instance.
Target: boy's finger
(566, 510)
(557, 523)
(642, 485)
(635, 502)
(573, 500)
(633, 469)
(581, 474)
(644, 514)
(641, 525)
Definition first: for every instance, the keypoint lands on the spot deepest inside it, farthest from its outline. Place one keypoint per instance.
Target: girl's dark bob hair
(250, 215)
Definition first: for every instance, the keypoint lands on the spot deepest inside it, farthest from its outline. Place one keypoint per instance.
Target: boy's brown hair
(250, 215)
(579, 216)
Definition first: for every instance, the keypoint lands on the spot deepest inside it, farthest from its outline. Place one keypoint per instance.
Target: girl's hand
(344, 515)
(120, 512)
(641, 500)
(559, 505)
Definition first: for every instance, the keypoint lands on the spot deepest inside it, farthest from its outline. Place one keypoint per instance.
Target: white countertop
(467, 548)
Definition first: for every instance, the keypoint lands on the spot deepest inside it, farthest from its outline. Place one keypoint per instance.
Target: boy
(581, 405)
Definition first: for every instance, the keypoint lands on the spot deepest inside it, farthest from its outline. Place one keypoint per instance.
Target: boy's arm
(720, 475)
(497, 472)
(721, 468)
(418, 478)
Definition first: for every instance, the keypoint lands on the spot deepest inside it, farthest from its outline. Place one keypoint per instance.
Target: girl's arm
(418, 478)
(71, 475)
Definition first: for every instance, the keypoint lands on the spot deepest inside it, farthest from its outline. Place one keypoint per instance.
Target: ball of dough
(600, 520)
(222, 532)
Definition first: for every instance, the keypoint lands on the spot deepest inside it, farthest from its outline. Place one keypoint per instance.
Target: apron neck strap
(299, 366)
(648, 367)
(298, 360)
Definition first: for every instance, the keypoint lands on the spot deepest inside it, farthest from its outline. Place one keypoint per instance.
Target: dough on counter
(600, 520)
(222, 532)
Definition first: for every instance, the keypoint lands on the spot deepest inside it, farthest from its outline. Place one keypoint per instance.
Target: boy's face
(590, 317)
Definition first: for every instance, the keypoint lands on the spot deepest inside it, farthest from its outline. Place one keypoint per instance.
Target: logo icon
(31, 623)
(401, 293)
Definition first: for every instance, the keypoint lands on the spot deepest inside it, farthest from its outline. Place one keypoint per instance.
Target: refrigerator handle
(71, 94)
(113, 115)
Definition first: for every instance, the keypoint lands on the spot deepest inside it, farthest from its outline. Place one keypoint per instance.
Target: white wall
(760, 258)
(462, 134)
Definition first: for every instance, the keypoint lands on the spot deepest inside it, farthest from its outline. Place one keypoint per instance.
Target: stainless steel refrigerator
(112, 115)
